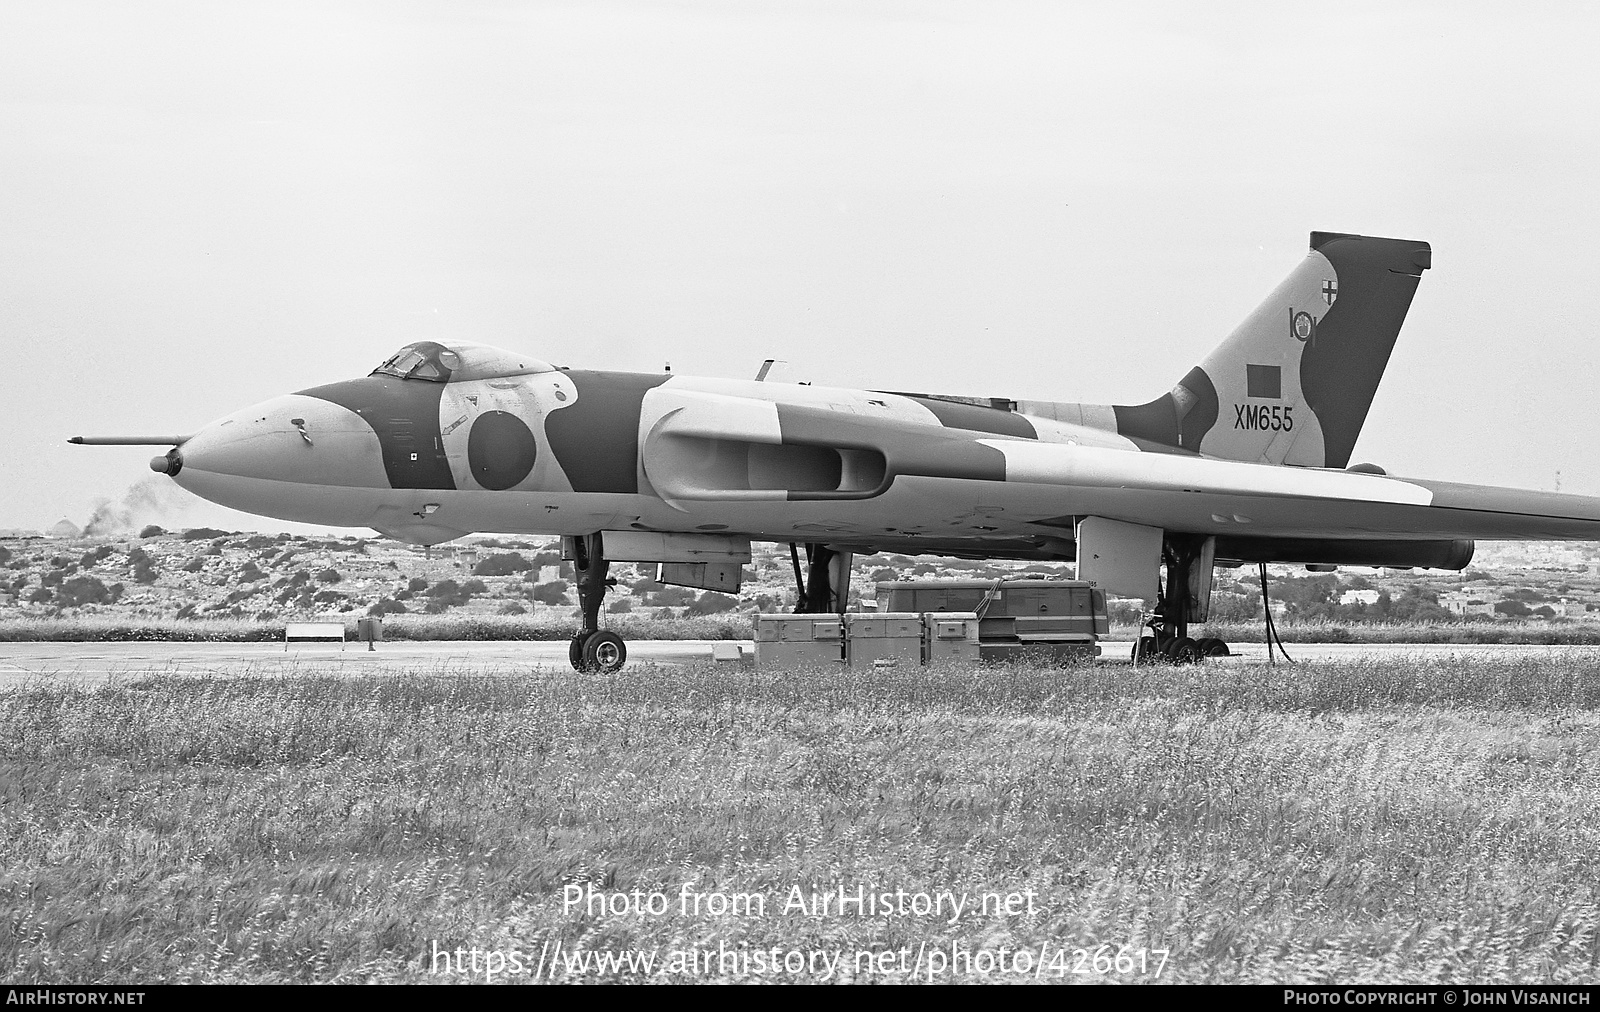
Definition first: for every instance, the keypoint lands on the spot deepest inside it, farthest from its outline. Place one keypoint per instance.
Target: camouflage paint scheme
(479, 439)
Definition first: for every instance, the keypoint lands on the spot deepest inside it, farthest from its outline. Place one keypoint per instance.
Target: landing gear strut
(593, 648)
(1185, 597)
(826, 585)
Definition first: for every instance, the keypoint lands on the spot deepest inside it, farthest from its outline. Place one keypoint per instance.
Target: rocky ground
(209, 573)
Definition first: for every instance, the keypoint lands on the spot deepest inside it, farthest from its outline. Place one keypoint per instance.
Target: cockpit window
(425, 360)
(458, 362)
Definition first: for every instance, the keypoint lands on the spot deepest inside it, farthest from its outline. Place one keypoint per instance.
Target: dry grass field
(1383, 821)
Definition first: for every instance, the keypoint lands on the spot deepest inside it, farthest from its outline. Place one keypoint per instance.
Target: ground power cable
(799, 580)
(1272, 628)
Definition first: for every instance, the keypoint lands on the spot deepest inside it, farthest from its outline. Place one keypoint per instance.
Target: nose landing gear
(593, 648)
(601, 650)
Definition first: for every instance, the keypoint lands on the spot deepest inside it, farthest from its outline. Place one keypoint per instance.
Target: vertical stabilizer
(1293, 382)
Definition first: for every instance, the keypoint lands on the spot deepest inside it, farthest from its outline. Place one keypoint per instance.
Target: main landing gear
(825, 586)
(1185, 597)
(593, 648)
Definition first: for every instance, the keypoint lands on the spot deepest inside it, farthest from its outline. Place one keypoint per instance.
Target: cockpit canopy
(442, 363)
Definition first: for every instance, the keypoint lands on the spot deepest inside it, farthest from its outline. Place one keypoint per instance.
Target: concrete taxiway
(98, 661)
(93, 662)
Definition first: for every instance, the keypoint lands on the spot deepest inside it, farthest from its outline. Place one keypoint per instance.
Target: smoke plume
(153, 499)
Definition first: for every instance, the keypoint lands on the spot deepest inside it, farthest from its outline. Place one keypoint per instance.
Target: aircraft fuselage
(562, 451)
(573, 451)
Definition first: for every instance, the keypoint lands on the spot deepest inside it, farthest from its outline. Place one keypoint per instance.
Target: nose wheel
(602, 651)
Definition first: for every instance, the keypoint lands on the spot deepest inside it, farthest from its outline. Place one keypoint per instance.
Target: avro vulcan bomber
(1245, 459)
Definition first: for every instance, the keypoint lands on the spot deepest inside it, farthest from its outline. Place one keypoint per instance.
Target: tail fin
(1293, 382)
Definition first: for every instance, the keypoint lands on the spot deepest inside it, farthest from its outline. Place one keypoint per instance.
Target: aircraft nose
(289, 439)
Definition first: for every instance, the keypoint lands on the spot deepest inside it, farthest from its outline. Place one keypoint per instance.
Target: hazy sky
(203, 205)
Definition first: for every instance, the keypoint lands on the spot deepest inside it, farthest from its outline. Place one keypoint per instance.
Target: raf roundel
(500, 450)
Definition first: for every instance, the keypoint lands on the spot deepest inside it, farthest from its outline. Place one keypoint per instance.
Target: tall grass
(1377, 821)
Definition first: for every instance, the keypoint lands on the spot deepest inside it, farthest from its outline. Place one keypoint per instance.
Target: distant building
(1368, 597)
(1466, 605)
(65, 528)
